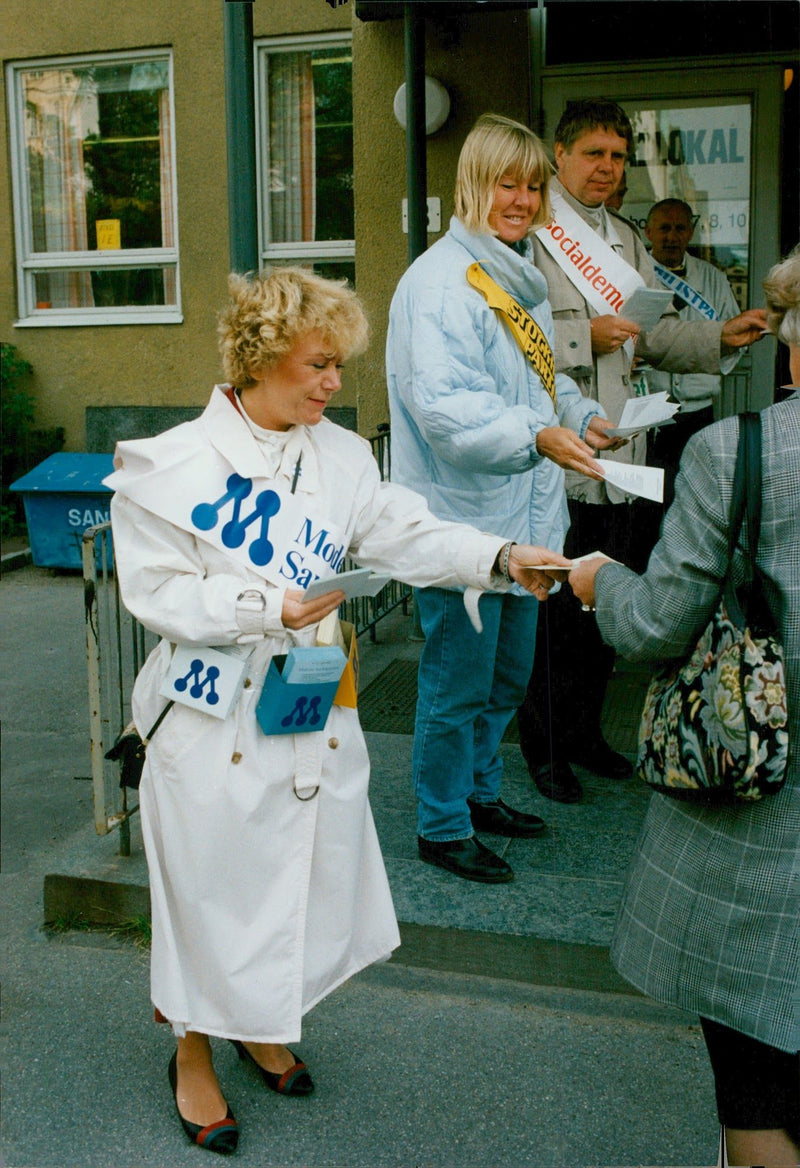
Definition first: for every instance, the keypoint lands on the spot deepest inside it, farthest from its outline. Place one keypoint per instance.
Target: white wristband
(250, 607)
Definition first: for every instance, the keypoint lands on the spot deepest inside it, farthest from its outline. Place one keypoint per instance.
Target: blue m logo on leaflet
(266, 504)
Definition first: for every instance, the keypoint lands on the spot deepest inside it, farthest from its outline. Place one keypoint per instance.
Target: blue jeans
(469, 686)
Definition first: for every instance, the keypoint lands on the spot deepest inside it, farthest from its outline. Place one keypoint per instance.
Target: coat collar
(228, 433)
(514, 272)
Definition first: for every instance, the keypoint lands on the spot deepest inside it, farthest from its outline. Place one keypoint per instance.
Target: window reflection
(306, 107)
(98, 158)
(700, 154)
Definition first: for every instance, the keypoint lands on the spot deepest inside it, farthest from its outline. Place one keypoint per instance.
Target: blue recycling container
(62, 497)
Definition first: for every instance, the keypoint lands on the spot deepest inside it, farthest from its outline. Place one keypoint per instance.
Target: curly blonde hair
(782, 290)
(269, 312)
(494, 147)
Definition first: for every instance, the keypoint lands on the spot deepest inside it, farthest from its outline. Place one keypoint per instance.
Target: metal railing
(117, 646)
(364, 612)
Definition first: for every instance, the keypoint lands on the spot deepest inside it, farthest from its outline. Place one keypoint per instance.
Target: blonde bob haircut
(269, 312)
(782, 290)
(497, 146)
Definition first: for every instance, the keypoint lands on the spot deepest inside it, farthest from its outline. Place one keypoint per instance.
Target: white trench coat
(262, 903)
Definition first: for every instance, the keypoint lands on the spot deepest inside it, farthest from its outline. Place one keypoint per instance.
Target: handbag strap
(158, 721)
(745, 503)
(752, 425)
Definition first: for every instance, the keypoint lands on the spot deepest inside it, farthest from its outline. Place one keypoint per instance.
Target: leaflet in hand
(646, 481)
(642, 413)
(646, 306)
(570, 565)
(359, 582)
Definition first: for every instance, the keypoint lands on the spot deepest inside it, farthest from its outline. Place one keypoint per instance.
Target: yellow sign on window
(109, 236)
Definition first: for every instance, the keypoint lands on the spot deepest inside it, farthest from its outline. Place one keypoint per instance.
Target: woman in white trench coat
(267, 884)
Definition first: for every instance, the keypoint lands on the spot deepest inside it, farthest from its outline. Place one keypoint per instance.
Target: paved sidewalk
(484, 1042)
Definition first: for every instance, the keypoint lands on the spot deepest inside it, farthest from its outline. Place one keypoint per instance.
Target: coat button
(236, 757)
(333, 743)
(247, 683)
(573, 344)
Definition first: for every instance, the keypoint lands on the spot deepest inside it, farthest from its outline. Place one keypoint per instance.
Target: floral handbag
(714, 729)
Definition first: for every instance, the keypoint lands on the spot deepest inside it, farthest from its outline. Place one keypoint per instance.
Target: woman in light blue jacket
(481, 427)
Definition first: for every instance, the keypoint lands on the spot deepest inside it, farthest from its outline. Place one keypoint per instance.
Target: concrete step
(551, 926)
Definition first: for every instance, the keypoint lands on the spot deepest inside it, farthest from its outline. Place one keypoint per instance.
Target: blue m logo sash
(286, 538)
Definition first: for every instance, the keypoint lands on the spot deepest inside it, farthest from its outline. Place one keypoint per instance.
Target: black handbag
(130, 748)
(714, 728)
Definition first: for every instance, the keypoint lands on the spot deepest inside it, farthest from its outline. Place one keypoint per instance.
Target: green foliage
(17, 401)
(21, 446)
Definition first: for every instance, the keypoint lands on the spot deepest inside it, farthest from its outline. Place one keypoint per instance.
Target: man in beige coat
(559, 721)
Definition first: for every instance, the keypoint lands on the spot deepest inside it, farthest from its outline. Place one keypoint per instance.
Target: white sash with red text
(603, 278)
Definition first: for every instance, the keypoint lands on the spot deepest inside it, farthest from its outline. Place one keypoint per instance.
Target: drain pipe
(416, 145)
(237, 20)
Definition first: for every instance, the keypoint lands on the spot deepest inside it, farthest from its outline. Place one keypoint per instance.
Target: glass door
(699, 152)
(709, 135)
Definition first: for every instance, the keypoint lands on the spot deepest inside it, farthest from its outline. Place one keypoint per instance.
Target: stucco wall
(144, 364)
(175, 365)
(483, 62)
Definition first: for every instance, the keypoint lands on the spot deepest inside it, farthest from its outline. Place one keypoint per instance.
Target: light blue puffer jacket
(466, 405)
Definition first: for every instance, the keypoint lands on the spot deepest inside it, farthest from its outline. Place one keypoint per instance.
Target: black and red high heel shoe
(295, 1081)
(222, 1136)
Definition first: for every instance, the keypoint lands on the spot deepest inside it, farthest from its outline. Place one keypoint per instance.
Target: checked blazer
(710, 914)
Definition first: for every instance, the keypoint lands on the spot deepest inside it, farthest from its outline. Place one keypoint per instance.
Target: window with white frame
(305, 134)
(94, 189)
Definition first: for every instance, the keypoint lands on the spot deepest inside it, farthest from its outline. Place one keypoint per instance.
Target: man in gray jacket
(587, 255)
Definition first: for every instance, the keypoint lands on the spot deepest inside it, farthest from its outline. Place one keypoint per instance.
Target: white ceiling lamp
(437, 105)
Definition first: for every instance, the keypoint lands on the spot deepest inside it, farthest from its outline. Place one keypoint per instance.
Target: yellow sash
(524, 329)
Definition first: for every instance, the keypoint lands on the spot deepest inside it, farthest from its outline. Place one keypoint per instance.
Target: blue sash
(675, 283)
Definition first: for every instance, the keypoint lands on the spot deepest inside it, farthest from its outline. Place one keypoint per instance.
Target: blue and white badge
(205, 679)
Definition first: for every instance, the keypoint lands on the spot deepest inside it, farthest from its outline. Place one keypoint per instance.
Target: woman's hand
(522, 569)
(610, 332)
(563, 446)
(581, 579)
(297, 615)
(596, 435)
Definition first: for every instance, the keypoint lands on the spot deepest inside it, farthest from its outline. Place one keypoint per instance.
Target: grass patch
(70, 922)
(136, 929)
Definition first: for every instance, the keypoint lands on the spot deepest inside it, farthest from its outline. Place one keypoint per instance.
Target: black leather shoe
(466, 857)
(600, 759)
(557, 781)
(500, 819)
